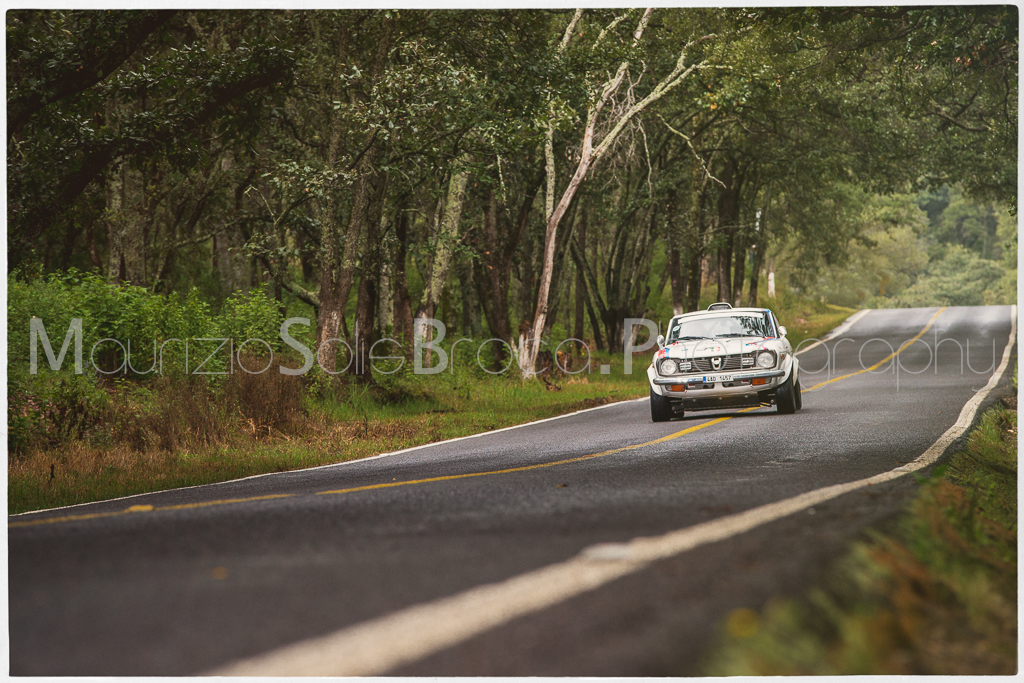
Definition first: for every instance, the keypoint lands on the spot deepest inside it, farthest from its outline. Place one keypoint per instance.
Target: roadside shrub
(108, 311)
(53, 413)
(251, 315)
(24, 415)
(265, 401)
(48, 299)
(183, 414)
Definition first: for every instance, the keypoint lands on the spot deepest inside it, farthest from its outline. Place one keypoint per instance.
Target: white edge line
(385, 643)
(354, 461)
(843, 327)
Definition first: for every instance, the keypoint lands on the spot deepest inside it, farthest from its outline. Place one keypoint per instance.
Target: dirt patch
(591, 403)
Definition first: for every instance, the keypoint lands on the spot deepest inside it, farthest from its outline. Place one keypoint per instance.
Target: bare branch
(568, 30)
(689, 143)
(199, 240)
(611, 27)
(949, 119)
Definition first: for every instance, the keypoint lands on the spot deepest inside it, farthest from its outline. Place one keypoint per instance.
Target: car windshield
(733, 325)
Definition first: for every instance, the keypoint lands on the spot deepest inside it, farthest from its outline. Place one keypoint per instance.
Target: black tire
(799, 395)
(785, 397)
(661, 409)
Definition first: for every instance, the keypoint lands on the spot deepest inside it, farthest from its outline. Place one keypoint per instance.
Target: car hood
(702, 348)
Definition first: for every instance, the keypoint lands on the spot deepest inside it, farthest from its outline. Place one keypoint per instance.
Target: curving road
(513, 557)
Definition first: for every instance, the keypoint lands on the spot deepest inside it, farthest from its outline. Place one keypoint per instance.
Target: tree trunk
(135, 225)
(402, 303)
(722, 270)
(581, 285)
(386, 296)
(590, 294)
(739, 268)
(369, 277)
(90, 241)
(727, 226)
(527, 278)
(697, 233)
(126, 225)
(675, 271)
(494, 267)
(331, 309)
(446, 239)
(759, 249)
(561, 282)
(338, 273)
(366, 308)
(115, 226)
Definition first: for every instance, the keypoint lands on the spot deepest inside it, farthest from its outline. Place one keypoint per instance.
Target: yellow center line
(144, 508)
(887, 358)
(451, 477)
(538, 466)
(189, 506)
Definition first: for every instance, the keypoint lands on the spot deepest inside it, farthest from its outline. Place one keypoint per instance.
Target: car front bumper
(697, 381)
(691, 393)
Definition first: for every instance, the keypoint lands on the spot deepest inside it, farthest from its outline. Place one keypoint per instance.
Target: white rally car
(723, 357)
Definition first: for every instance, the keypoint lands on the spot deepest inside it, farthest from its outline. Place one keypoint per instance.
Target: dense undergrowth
(936, 596)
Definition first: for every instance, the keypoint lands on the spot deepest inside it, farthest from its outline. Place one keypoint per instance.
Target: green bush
(49, 300)
(252, 315)
(131, 315)
(50, 413)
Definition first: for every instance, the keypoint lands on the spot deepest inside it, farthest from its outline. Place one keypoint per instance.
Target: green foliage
(74, 121)
(50, 414)
(126, 313)
(961, 278)
(885, 259)
(251, 315)
(48, 299)
(985, 228)
(61, 406)
(928, 251)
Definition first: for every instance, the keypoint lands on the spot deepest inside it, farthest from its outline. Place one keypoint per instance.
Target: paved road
(186, 590)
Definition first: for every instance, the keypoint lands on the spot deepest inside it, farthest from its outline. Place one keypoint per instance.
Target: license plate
(713, 379)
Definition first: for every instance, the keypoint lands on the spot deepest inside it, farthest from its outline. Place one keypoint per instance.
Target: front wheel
(785, 397)
(661, 409)
(799, 396)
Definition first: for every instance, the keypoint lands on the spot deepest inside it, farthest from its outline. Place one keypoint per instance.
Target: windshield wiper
(689, 337)
(737, 334)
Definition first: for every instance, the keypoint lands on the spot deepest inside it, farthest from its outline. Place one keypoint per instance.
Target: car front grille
(731, 362)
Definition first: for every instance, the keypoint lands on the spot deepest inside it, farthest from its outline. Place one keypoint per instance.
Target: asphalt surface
(184, 591)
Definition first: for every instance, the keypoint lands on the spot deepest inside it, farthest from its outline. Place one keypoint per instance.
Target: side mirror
(661, 341)
(782, 330)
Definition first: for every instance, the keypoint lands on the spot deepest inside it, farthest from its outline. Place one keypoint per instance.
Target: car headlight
(765, 359)
(667, 367)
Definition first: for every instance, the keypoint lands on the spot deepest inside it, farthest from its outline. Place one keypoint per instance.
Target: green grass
(936, 596)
